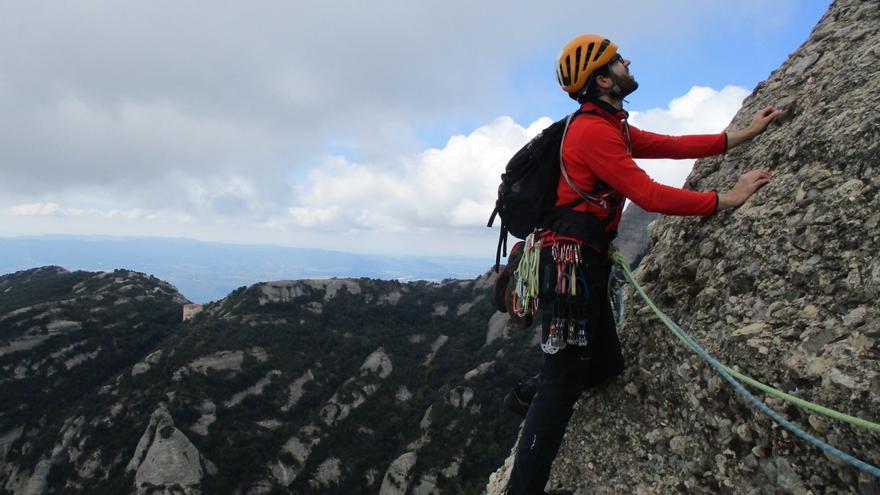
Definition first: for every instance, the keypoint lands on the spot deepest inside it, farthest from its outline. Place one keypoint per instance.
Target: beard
(624, 85)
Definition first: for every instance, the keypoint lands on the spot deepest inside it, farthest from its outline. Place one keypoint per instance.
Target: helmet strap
(586, 89)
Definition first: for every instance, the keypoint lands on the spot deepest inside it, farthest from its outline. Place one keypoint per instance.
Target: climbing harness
(571, 291)
(732, 375)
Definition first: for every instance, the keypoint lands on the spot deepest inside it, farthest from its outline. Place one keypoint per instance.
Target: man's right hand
(747, 184)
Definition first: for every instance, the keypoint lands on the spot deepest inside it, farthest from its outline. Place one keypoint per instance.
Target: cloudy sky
(364, 126)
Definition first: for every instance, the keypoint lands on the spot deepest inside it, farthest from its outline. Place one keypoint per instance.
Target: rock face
(165, 458)
(397, 479)
(288, 290)
(784, 289)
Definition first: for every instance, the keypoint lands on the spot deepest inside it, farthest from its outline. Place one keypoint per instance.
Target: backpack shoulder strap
(593, 199)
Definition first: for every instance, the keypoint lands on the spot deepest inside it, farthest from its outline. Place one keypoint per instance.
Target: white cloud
(127, 98)
(436, 189)
(701, 110)
(172, 118)
(52, 209)
(438, 199)
(36, 209)
(311, 217)
(455, 187)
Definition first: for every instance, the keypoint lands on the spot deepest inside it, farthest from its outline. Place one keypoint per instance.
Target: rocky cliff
(63, 336)
(784, 289)
(298, 386)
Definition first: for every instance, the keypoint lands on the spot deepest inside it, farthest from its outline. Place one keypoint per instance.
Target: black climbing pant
(563, 377)
(561, 382)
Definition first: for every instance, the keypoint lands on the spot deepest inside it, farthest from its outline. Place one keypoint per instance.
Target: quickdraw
(569, 324)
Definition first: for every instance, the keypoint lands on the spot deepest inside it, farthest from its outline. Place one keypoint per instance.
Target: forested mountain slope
(311, 386)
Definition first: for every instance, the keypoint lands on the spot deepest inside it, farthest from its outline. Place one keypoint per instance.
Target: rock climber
(597, 157)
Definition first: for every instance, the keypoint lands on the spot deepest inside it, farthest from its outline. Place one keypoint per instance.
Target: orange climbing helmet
(580, 58)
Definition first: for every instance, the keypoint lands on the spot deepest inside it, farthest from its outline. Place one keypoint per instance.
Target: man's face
(622, 76)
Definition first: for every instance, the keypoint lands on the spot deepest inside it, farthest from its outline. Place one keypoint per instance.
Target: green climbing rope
(825, 411)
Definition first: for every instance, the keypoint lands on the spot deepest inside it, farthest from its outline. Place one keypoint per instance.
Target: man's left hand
(759, 124)
(761, 120)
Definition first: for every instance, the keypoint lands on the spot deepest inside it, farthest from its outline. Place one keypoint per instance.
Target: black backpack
(527, 194)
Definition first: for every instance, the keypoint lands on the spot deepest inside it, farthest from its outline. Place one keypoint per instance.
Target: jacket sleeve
(605, 153)
(650, 145)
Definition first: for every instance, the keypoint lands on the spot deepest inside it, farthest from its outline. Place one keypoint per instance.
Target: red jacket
(595, 147)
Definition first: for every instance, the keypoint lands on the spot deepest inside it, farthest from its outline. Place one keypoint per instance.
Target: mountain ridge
(207, 271)
(318, 386)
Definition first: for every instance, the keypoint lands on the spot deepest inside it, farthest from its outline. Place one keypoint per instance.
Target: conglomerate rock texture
(784, 289)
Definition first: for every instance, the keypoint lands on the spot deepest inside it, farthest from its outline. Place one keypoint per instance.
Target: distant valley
(208, 271)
